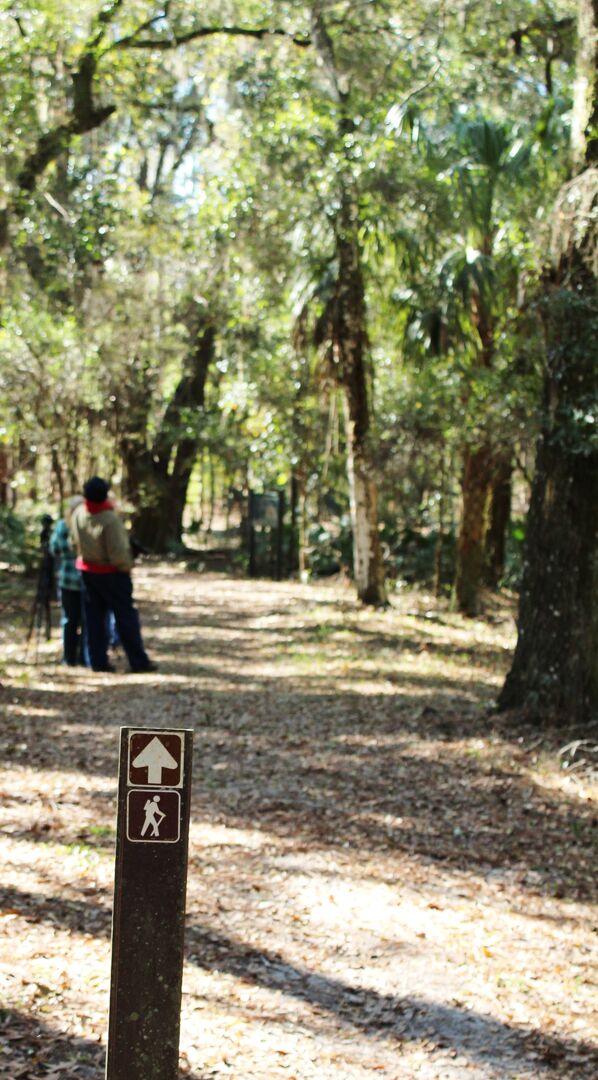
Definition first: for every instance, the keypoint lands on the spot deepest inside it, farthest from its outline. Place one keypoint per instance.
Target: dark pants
(72, 626)
(112, 592)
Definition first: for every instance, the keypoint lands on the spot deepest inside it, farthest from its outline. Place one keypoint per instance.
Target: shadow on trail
(377, 772)
(34, 1050)
(413, 1019)
(76, 916)
(451, 1027)
(319, 759)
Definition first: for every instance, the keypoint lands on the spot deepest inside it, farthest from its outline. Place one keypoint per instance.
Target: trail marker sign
(149, 904)
(156, 758)
(153, 817)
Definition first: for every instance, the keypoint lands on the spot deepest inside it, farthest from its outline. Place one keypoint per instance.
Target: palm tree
(492, 158)
(332, 319)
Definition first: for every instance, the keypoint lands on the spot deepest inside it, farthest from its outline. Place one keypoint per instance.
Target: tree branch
(52, 143)
(543, 27)
(101, 23)
(132, 41)
(85, 116)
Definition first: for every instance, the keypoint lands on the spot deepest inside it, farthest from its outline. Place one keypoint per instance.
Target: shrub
(19, 541)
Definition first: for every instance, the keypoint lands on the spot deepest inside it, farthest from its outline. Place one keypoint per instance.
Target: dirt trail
(384, 881)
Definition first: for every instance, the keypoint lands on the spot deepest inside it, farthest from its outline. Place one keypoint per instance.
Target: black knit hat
(96, 490)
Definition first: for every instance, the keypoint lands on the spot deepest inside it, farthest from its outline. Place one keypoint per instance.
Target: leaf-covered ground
(386, 880)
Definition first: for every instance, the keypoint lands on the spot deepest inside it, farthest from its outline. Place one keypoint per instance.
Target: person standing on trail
(69, 584)
(105, 560)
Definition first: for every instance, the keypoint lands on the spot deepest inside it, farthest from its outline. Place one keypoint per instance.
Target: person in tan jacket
(105, 560)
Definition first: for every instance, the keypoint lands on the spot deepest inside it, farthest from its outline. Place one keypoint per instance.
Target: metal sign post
(149, 904)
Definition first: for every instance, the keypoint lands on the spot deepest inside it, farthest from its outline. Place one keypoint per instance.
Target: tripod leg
(34, 621)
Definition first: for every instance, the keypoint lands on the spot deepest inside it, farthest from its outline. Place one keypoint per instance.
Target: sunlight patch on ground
(206, 834)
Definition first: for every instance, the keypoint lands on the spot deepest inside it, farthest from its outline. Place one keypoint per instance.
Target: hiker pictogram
(155, 759)
(153, 816)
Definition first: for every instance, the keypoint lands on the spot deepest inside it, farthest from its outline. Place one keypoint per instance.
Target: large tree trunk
(158, 478)
(158, 524)
(350, 338)
(555, 667)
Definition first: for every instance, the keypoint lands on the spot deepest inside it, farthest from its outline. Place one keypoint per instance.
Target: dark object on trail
(41, 616)
(137, 548)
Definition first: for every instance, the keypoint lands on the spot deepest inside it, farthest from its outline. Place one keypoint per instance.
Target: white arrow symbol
(154, 757)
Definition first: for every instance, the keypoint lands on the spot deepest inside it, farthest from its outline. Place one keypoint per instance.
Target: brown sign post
(149, 904)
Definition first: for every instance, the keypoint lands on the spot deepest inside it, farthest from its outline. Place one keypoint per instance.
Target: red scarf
(97, 507)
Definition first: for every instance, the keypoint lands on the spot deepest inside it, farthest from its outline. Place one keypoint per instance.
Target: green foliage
(329, 548)
(12, 537)
(218, 180)
(413, 556)
(513, 570)
(19, 542)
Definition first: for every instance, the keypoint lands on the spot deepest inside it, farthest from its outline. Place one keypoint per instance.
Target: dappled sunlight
(377, 866)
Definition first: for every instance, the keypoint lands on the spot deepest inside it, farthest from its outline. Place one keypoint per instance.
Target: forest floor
(385, 879)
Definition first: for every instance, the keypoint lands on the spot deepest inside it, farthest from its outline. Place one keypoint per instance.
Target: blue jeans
(72, 626)
(112, 592)
(112, 638)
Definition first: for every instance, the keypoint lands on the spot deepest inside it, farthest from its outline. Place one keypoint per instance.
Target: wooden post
(149, 904)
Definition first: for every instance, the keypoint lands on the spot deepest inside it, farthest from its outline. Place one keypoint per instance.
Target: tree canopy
(306, 244)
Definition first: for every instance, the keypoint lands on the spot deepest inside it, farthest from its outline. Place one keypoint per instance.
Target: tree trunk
(158, 524)
(211, 494)
(160, 477)
(350, 349)
(294, 545)
(58, 474)
(477, 472)
(555, 666)
(4, 475)
(439, 545)
(499, 517)
(477, 479)
(349, 336)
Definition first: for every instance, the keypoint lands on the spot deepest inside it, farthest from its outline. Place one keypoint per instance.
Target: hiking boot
(109, 667)
(149, 667)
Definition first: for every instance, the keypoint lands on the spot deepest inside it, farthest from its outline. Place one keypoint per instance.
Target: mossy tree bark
(555, 666)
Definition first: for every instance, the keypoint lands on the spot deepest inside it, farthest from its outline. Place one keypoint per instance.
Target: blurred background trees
(301, 250)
